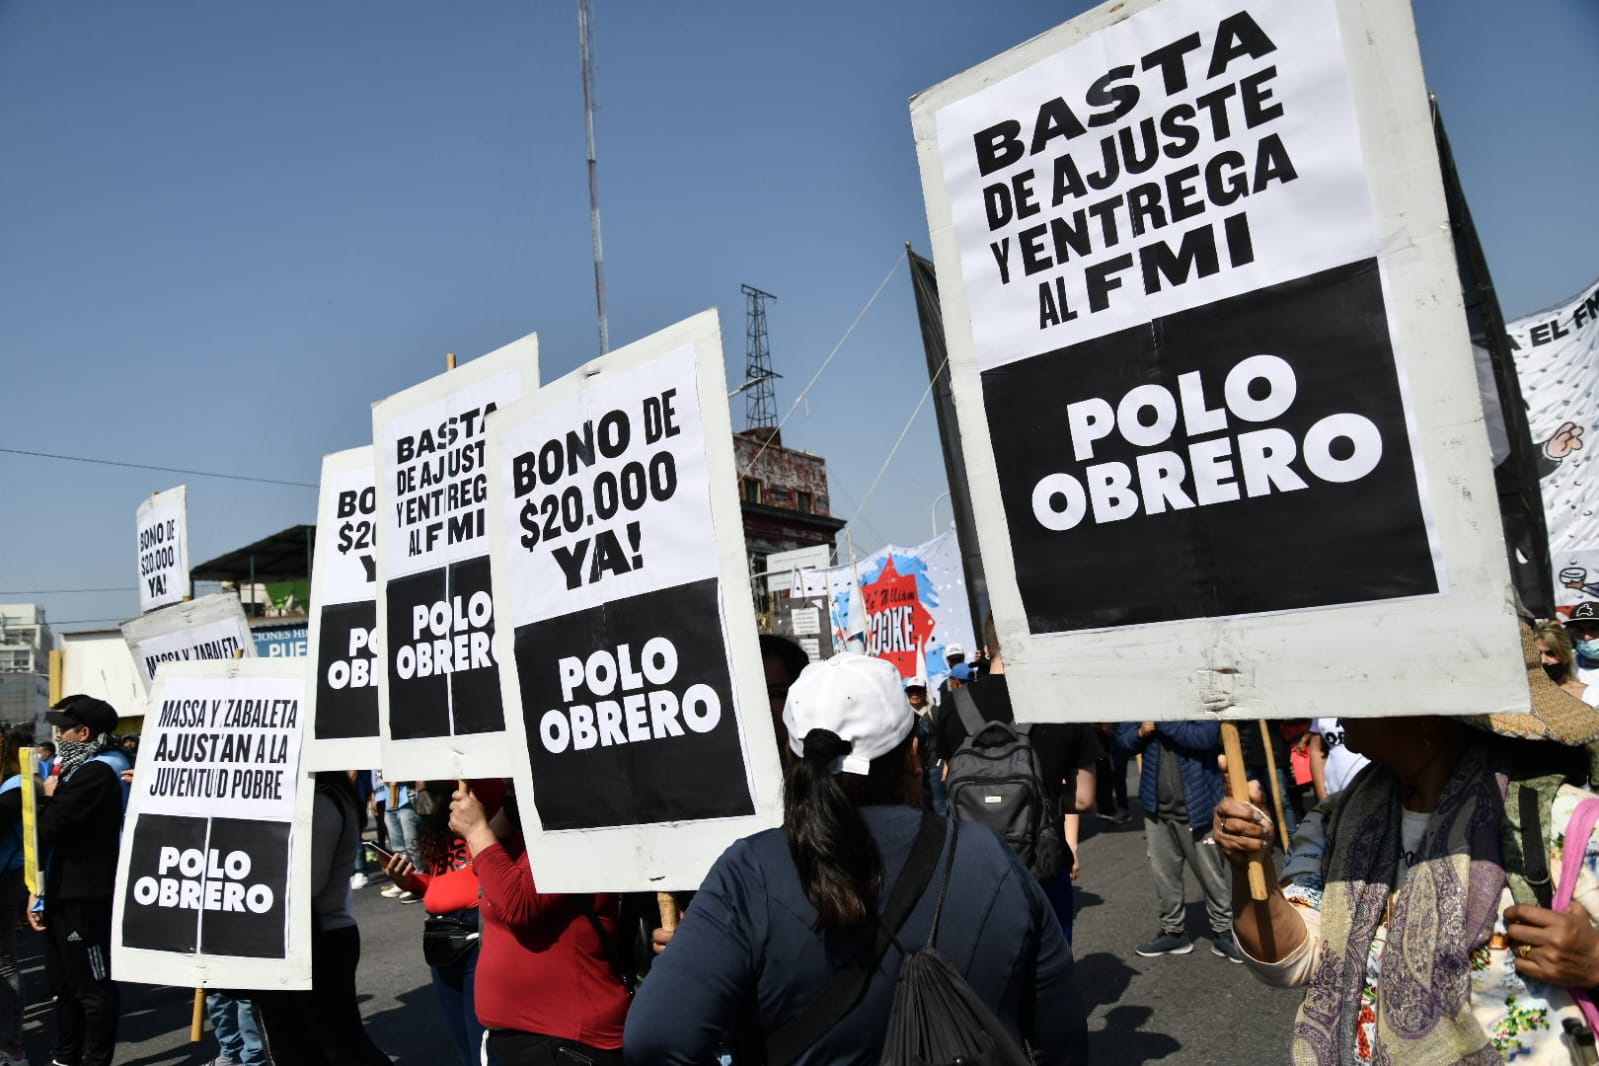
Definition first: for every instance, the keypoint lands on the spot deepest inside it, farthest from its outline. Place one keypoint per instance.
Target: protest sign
(162, 525)
(1215, 391)
(29, 759)
(1557, 361)
(439, 692)
(342, 695)
(211, 627)
(914, 600)
(631, 671)
(214, 876)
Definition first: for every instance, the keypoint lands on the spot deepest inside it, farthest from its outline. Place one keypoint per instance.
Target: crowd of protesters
(1466, 845)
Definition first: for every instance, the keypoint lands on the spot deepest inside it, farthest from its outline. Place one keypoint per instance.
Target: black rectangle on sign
(419, 695)
(1140, 487)
(154, 911)
(656, 739)
(346, 683)
(475, 680)
(246, 889)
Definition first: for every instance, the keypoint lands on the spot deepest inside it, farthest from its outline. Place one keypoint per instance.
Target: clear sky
(227, 228)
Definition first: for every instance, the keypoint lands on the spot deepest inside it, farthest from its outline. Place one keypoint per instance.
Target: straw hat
(1556, 714)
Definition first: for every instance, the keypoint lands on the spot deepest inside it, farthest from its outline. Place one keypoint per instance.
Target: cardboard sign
(1215, 388)
(342, 695)
(213, 882)
(1557, 362)
(162, 527)
(211, 627)
(439, 693)
(631, 667)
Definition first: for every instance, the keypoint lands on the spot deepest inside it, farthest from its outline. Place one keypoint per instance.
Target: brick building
(783, 494)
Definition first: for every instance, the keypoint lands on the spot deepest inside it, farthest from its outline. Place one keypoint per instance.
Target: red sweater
(541, 968)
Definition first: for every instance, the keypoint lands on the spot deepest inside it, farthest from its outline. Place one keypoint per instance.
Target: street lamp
(750, 384)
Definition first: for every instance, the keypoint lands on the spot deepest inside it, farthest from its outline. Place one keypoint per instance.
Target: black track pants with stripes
(77, 960)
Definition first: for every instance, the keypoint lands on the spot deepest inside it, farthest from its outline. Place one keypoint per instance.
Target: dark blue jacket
(1197, 744)
(746, 958)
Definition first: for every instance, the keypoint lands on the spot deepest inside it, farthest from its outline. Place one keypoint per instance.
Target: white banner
(1557, 363)
(439, 692)
(631, 668)
(1193, 255)
(345, 638)
(211, 627)
(914, 599)
(213, 879)
(162, 527)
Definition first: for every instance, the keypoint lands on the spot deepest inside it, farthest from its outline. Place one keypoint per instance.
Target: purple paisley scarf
(1443, 913)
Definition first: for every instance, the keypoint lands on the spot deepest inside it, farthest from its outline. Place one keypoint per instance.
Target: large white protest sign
(1557, 363)
(211, 627)
(631, 668)
(213, 881)
(342, 694)
(439, 692)
(1214, 383)
(163, 536)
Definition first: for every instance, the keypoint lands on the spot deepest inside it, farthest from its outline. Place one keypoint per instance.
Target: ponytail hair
(839, 865)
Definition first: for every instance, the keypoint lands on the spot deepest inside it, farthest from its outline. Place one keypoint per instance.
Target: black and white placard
(1216, 396)
(213, 882)
(211, 627)
(630, 664)
(162, 524)
(439, 693)
(345, 638)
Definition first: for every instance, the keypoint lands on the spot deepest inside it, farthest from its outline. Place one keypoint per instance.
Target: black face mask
(1556, 671)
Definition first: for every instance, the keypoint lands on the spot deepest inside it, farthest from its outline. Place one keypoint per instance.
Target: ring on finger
(1524, 950)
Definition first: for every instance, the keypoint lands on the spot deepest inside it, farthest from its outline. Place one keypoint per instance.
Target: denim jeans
(454, 988)
(238, 1032)
(402, 825)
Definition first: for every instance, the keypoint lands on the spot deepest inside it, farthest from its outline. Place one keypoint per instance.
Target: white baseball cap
(916, 681)
(855, 696)
(952, 650)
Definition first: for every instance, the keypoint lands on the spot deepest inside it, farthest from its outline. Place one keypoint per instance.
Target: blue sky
(225, 229)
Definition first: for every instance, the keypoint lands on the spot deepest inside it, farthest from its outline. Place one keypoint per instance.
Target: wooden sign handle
(197, 1026)
(1238, 789)
(669, 910)
(1276, 792)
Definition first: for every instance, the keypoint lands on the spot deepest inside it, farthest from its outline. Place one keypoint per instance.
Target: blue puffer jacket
(1197, 744)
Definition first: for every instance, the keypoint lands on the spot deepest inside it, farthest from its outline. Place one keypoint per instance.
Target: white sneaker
(359, 880)
(393, 891)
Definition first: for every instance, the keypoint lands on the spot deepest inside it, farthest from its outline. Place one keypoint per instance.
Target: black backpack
(994, 779)
(936, 1016)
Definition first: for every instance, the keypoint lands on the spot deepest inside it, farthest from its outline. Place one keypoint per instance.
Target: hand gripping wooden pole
(1276, 792)
(1238, 789)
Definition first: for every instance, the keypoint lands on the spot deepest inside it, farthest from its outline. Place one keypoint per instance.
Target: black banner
(629, 711)
(347, 681)
(217, 885)
(1244, 456)
(441, 654)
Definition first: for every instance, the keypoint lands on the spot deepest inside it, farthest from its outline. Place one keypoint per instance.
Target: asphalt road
(1195, 1008)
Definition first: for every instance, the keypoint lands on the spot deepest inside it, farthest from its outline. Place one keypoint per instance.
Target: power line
(161, 469)
(60, 592)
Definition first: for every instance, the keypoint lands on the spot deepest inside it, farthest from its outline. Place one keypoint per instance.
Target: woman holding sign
(546, 989)
(1451, 850)
(783, 913)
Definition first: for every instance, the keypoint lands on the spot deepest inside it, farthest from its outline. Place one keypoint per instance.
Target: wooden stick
(449, 360)
(1276, 793)
(1238, 789)
(197, 1026)
(669, 910)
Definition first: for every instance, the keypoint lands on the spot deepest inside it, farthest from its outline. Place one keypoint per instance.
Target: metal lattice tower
(760, 399)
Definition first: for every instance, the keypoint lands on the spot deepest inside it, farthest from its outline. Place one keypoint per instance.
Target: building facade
(25, 644)
(783, 496)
